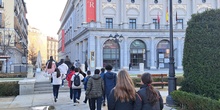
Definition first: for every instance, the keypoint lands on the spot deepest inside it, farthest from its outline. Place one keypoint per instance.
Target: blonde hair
(124, 89)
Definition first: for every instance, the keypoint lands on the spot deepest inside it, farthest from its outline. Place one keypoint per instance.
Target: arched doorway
(111, 54)
(138, 53)
(163, 53)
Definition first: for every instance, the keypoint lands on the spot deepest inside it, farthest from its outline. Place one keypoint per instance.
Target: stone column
(91, 48)
(153, 53)
(125, 55)
(80, 52)
(179, 53)
(98, 53)
(84, 51)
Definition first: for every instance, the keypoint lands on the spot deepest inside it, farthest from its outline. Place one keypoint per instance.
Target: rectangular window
(109, 23)
(132, 23)
(180, 21)
(156, 23)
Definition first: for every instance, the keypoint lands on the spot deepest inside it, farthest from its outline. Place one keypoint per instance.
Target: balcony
(124, 26)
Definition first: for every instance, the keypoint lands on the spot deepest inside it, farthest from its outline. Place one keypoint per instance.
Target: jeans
(71, 93)
(76, 94)
(56, 91)
(92, 103)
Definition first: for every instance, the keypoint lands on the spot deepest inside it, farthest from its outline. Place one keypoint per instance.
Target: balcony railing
(178, 26)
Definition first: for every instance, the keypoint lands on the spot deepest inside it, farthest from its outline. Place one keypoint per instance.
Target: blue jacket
(110, 79)
(85, 81)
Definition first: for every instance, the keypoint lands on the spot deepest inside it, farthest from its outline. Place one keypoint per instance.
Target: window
(180, 21)
(109, 23)
(156, 23)
(132, 23)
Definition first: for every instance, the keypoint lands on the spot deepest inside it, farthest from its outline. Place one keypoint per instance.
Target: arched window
(163, 52)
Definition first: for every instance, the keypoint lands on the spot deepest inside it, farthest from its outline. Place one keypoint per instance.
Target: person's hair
(108, 67)
(62, 60)
(102, 70)
(124, 89)
(76, 69)
(152, 95)
(72, 68)
(88, 72)
(97, 71)
(58, 72)
(50, 64)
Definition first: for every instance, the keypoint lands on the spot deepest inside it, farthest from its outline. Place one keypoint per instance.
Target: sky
(45, 15)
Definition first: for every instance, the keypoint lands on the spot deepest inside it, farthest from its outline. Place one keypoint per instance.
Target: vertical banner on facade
(92, 59)
(63, 41)
(90, 10)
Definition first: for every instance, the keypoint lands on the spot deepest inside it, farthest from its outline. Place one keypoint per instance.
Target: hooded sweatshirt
(110, 79)
(95, 87)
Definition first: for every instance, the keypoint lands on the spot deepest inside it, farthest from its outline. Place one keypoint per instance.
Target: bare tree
(32, 54)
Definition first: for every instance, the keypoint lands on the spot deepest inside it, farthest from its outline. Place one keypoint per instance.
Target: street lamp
(171, 78)
(117, 39)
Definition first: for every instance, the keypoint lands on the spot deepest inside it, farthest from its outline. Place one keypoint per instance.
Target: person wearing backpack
(77, 83)
(85, 81)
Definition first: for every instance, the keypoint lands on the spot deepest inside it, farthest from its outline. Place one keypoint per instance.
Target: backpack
(77, 80)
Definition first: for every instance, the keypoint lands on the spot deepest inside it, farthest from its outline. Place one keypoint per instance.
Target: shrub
(201, 57)
(13, 75)
(9, 88)
(190, 101)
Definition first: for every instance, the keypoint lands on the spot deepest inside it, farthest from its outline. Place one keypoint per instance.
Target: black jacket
(114, 104)
(143, 104)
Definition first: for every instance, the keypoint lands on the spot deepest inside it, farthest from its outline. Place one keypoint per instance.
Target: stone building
(143, 24)
(13, 36)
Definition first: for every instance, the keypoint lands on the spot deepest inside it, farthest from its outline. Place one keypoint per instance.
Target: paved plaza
(42, 101)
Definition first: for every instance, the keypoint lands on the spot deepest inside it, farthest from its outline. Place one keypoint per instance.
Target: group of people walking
(116, 89)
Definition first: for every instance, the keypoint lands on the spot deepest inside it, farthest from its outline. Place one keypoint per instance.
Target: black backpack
(77, 80)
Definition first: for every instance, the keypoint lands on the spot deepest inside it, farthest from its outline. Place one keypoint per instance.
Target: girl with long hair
(123, 95)
(56, 83)
(150, 98)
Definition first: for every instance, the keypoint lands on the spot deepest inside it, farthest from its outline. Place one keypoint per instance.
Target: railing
(178, 26)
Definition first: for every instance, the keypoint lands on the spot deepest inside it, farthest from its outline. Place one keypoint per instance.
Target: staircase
(47, 87)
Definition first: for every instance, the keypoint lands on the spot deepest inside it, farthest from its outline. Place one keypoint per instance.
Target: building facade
(52, 47)
(144, 24)
(13, 35)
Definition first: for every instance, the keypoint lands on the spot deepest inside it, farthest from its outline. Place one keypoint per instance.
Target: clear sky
(45, 15)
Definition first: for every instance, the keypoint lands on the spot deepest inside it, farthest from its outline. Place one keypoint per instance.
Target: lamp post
(117, 39)
(171, 78)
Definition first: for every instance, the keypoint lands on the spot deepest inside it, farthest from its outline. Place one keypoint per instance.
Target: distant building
(144, 24)
(52, 47)
(13, 36)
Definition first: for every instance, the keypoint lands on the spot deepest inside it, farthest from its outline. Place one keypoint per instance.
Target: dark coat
(110, 79)
(143, 104)
(114, 104)
(95, 87)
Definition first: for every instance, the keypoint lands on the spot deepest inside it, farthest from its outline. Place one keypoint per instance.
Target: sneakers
(55, 99)
(84, 101)
(77, 100)
(71, 100)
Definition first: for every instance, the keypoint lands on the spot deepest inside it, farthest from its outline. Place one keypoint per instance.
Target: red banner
(90, 10)
(63, 41)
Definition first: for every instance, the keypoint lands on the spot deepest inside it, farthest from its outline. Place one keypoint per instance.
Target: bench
(161, 82)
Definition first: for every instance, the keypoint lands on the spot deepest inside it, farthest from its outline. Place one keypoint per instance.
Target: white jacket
(63, 68)
(56, 81)
(81, 83)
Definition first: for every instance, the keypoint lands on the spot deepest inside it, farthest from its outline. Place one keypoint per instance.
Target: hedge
(9, 88)
(201, 57)
(13, 75)
(191, 101)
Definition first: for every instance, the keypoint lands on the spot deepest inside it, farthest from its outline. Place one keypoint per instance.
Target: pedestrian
(68, 62)
(94, 91)
(150, 97)
(56, 83)
(130, 66)
(50, 67)
(86, 65)
(85, 81)
(68, 78)
(51, 58)
(102, 76)
(63, 70)
(77, 83)
(123, 95)
(110, 79)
